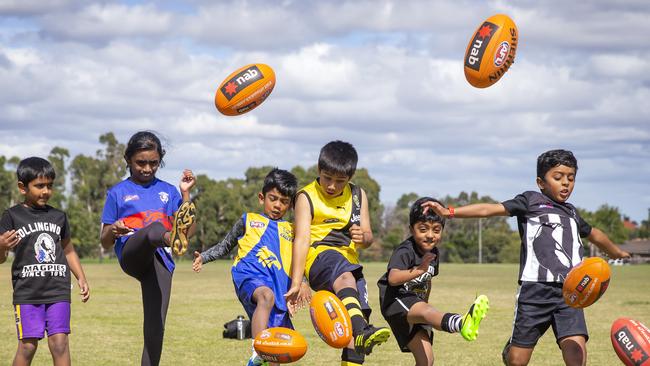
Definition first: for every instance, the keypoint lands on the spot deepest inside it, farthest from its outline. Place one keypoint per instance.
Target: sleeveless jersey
(331, 219)
(40, 273)
(264, 250)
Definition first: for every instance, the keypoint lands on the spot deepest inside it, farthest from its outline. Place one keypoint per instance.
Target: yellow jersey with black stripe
(264, 250)
(331, 219)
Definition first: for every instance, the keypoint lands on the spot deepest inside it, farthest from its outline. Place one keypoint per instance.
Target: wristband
(451, 211)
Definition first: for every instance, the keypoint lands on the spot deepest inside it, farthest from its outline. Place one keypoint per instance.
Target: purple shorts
(33, 320)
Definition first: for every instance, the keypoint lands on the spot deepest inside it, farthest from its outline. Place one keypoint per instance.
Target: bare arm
(474, 210)
(301, 242)
(603, 242)
(76, 269)
(362, 234)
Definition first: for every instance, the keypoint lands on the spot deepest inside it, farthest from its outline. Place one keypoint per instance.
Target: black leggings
(139, 260)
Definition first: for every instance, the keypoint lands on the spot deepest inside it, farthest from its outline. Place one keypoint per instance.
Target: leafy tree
(91, 177)
(57, 158)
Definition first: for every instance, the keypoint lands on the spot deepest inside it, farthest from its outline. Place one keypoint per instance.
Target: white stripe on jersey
(534, 226)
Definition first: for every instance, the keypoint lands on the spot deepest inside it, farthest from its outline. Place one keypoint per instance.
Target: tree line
(221, 202)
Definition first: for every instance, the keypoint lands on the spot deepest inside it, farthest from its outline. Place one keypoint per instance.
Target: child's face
(427, 234)
(37, 192)
(332, 184)
(558, 183)
(275, 203)
(144, 165)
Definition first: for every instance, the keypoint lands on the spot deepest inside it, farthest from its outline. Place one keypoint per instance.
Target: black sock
(451, 322)
(350, 298)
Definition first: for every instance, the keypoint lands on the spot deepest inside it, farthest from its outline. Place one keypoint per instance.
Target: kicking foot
(472, 319)
(183, 219)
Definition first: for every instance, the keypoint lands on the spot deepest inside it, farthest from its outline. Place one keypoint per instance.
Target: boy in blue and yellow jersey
(331, 222)
(260, 271)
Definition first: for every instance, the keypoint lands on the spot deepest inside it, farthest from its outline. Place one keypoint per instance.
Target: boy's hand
(292, 295)
(356, 234)
(197, 264)
(84, 290)
(9, 239)
(435, 207)
(426, 260)
(305, 296)
(119, 229)
(187, 181)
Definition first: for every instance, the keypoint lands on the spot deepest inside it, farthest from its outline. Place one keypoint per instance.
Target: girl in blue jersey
(143, 216)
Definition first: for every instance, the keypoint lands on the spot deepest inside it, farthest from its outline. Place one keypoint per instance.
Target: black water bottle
(241, 330)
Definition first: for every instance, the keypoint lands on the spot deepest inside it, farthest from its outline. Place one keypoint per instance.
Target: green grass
(107, 329)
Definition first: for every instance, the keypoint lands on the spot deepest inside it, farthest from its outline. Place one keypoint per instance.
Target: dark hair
(417, 213)
(553, 158)
(339, 158)
(282, 180)
(144, 141)
(32, 168)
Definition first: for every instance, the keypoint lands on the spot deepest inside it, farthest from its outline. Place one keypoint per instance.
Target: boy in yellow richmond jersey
(331, 222)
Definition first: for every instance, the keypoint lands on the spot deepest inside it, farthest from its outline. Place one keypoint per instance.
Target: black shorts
(402, 329)
(540, 305)
(328, 266)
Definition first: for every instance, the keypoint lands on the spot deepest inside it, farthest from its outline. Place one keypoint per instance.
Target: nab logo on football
(238, 82)
(330, 310)
(479, 43)
(631, 347)
(583, 284)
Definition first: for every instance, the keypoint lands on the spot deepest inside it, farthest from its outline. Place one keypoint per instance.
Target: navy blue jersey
(550, 236)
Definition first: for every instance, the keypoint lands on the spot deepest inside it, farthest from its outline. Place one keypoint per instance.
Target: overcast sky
(386, 76)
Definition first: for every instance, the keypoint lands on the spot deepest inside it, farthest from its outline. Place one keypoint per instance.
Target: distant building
(639, 249)
(630, 225)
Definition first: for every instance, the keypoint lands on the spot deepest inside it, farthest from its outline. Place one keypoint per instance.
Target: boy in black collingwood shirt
(44, 256)
(404, 290)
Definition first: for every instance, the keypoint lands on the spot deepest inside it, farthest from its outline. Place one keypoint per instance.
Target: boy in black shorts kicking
(550, 230)
(405, 287)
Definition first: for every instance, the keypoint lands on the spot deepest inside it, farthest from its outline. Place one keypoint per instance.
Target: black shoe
(371, 336)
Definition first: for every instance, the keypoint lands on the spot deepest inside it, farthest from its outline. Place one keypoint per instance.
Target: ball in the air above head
(491, 51)
(245, 89)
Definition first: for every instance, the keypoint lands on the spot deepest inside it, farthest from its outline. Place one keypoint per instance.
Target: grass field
(107, 329)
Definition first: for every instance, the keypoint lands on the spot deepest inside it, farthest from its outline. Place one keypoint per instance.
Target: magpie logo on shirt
(45, 249)
(164, 196)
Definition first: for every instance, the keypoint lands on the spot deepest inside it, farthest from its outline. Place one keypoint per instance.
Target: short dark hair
(32, 168)
(282, 180)
(553, 158)
(144, 141)
(417, 212)
(338, 157)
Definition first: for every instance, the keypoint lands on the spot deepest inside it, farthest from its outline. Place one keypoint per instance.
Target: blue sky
(386, 76)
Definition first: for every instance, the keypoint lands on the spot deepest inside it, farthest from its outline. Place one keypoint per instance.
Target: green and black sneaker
(472, 319)
(371, 336)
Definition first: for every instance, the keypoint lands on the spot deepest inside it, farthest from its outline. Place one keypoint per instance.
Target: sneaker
(257, 361)
(371, 336)
(472, 320)
(183, 219)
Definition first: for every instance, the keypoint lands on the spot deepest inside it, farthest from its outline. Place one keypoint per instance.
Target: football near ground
(281, 345)
(631, 341)
(330, 318)
(586, 282)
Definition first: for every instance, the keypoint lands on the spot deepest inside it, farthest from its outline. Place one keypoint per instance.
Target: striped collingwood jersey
(264, 250)
(550, 236)
(331, 219)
